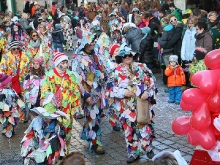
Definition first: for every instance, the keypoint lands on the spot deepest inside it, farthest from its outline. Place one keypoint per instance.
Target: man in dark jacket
(146, 47)
(58, 39)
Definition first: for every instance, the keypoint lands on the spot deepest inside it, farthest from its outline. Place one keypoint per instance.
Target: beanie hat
(14, 43)
(4, 79)
(112, 49)
(38, 60)
(59, 57)
(173, 58)
(199, 55)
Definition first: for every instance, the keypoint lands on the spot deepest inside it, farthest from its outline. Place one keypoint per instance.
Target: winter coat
(57, 36)
(153, 25)
(188, 45)
(25, 24)
(146, 47)
(133, 37)
(176, 76)
(204, 40)
(173, 46)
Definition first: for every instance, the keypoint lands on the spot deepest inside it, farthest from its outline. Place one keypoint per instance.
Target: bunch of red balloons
(204, 102)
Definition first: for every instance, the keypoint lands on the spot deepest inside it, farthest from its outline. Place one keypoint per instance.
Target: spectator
(138, 21)
(25, 24)
(173, 44)
(198, 15)
(176, 78)
(58, 39)
(2, 15)
(215, 28)
(146, 47)
(169, 158)
(81, 10)
(135, 11)
(133, 37)
(53, 8)
(105, 19)
(177, 12)
(188, 47)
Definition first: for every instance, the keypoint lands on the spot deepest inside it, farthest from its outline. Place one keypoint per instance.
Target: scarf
(215, 23)
(35, 44)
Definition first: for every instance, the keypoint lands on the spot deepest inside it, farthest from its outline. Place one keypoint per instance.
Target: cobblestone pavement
(113, 142)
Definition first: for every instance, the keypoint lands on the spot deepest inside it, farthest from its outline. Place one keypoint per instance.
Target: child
(176, 78)
(32, 85)
(169, 158)
(43, 142)
(58, 38)
(10, 106)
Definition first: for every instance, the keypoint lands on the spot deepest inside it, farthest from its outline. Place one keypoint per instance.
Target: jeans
(58, 47)
(175, 94)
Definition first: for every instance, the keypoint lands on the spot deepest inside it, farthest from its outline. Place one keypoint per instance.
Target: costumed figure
(89, 69)
(133, 90)
(64, 85)
(10, 106)
(115, 26)
(32, 83)
(43, 142)
(15, 63)
(39, 49)
(19, 35)
(45, 35)
(66, 24)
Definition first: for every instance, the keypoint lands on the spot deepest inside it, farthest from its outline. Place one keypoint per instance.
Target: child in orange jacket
(176, 78)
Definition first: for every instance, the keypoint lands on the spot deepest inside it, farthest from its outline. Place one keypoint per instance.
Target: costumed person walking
(11, 105)
(64, 86)
(134, 85)
(38, 49)
(32, 83)
(43, 143)
(112, 111)
(86, 65)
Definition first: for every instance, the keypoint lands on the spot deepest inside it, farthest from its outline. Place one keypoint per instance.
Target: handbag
(15, 80)
(58, 95)
(143, 115)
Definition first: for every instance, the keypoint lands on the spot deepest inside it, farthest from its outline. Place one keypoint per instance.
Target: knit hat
(112, 48)
(14, 43)
(173, 58)
(199, 55)
(38, 60)
(4, 79)
(135, 10)
(59, 57)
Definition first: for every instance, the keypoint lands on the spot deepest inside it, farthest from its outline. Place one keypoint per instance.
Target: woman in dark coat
(146, 47)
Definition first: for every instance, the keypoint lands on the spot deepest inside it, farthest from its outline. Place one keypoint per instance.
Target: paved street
(113, 142)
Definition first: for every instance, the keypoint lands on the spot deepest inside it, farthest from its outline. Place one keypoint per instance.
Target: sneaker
(115, 128)
(150, 154)
(99, 150)
(132, 159)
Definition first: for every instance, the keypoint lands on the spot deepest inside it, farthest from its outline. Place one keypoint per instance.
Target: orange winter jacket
(176, 76)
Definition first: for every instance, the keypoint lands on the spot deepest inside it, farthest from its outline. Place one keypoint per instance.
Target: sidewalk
(113, 142)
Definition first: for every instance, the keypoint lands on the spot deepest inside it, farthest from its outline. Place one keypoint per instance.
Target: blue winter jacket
(188, 44)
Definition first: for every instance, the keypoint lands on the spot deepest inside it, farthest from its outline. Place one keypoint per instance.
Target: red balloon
(206, 80)
(212, 59)
(207, 138)
(201, 117)
(186, 107)
(181, 125)
(214, 102)
(204, 138)
(193, 137)
(194, 97)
